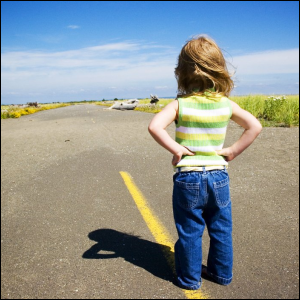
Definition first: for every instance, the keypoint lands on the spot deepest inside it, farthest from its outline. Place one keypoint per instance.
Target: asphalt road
(70, 229)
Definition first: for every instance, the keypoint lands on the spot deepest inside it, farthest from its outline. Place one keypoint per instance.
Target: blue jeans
(201, 198)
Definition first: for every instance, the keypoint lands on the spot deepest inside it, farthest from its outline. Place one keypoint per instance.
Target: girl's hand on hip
(227, 153)
(177, 156)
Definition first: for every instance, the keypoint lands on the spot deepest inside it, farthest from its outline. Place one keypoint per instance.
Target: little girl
(201, 183)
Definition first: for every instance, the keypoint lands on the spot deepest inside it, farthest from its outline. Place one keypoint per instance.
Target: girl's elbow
(151, 129)
(258, 128)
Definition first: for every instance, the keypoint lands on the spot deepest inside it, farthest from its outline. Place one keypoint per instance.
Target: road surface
(71, 229)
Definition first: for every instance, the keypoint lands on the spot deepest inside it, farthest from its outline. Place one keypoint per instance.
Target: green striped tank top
(201, 127)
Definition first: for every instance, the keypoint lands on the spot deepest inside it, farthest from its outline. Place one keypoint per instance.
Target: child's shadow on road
(142, 253)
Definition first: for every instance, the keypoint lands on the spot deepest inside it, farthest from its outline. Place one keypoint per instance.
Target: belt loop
(203, 169)
(179, 169)
(224, 168)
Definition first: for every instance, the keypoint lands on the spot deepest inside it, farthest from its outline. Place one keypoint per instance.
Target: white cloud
(267, 62)
(127, 64)
(159, 87)
(268, 72)
(73, 26)
(114, 69)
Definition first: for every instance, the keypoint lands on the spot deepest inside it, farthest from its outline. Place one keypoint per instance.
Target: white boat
(126, 105)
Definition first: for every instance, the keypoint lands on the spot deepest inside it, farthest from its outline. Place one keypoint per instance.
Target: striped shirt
(201, 127)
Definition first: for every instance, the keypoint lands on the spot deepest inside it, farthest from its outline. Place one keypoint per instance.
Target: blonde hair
(201, 66)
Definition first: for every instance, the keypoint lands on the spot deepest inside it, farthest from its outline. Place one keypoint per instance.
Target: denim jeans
(201, 198)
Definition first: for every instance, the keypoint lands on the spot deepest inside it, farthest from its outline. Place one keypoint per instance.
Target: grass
(272, 111)
(8, 111)
(144, 105)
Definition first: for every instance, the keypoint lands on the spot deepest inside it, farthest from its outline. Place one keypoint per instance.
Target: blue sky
(92, 50)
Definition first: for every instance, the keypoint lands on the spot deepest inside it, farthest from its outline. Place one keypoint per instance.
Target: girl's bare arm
(252, 129)
(157, 128)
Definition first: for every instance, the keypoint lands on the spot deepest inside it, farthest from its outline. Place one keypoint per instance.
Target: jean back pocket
(222, 192)
(186, 194)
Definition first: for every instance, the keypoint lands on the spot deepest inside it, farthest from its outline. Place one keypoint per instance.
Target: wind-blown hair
(201, 66)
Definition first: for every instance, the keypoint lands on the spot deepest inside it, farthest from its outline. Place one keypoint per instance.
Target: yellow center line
(159, 232)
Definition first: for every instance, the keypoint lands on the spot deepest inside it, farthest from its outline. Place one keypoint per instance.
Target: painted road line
(159, 232)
